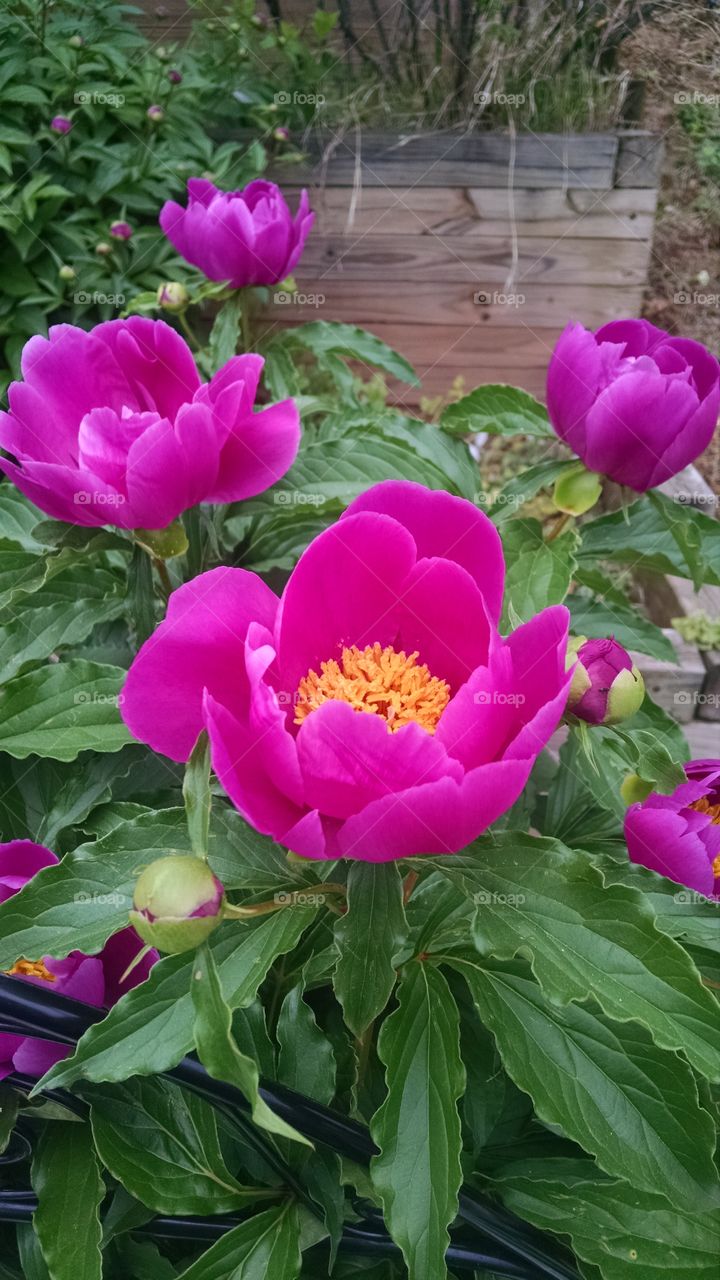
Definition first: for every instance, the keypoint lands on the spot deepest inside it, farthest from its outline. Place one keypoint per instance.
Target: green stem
(188, 331)
(282, 900)
(164, 576)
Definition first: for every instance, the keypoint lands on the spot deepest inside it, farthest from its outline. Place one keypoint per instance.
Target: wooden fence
(470, 253)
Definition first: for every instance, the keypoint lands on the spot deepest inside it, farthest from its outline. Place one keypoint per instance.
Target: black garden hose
(45, 1014)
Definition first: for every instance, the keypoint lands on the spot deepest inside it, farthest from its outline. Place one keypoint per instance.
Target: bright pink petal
(442, 615)
(349, 758)
(199, 645)
(241, 767)
(259, 450)
(443, 526)
(20, 860)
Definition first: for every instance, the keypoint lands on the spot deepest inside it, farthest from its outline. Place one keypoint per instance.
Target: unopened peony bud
(281, 134)
(177, 903)
(61, 124)
(155, 113)
(120, 230)
(67, 273)
(103, 248)
(174, 76)
(172, 296)
(577, 490)
(76, 42)
(606, 686)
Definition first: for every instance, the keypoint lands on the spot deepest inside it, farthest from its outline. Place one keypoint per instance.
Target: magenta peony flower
(115, 427)
(61, 124)
(632, 402)
(93, 979)
(607, 687)
(373, 712)
(245, 237)
(679, 835)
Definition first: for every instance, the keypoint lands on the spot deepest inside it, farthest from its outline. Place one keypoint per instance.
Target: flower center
(386, 682)
(31, 969)
(703, 805)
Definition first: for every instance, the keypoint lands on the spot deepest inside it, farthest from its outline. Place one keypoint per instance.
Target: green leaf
(322, 338)
(658, 536)
(78, 904)
(538, 572)
(67, 1182)
(417, 1128)
(625, 1232)
(151, 1028)
(631, 1105)
(197, 797)
(679, 912)
(266, 1247)
(520, 489)
(218, 1052)
(306, 1062)
(538, 899)
(367, 937)
(18, 518)
(62, 709)
(62, 613)
(161, 1143)
(20, 572)
(498, 410)
(225, 333)
(9, 1106)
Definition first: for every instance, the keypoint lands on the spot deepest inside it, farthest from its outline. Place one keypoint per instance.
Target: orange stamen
(31, 969)
(384, 682)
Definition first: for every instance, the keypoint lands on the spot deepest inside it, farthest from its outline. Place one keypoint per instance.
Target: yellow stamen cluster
(31, 969)
(703, 805)
(384, 682)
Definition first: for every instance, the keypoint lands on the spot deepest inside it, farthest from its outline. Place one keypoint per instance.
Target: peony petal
(442, 615)
(200, 644)
(443, 527)
(20, 860)
(259, 450)
(240, 766)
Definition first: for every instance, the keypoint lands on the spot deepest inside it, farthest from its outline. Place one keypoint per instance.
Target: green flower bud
(577, 490)
(67, 273)
(177, 903)
(172, 296)
(606, 686)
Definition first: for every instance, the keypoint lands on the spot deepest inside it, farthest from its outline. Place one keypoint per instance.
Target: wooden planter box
(469, 253)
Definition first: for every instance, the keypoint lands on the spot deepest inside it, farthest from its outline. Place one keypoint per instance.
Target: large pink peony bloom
(93, 979)
(244, 237)
(373, 712)
(634, 403)
(679, 835)
(115, 427)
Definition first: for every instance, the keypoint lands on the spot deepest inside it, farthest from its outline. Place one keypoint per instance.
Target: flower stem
(282, 900)
(164, 576)
(558, 527)
(188, 331)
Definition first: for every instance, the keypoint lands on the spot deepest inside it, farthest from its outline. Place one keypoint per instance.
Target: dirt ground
(676, 54)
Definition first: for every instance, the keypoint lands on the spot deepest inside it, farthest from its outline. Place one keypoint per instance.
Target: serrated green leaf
(606, 1085)
(645, 537)
(67, 1182)
(538, 572)
(63, 612)
(367, 937)
(161, 1143)
(151, 1028)
(417, 1128)
(329, 338)
(217, 1050)
(536, 898)
(63, 709)
(498, 410)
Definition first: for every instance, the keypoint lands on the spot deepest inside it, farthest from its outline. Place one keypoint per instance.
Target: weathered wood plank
(481, 212)
(375, 158)
(486, 261)
(417, 302)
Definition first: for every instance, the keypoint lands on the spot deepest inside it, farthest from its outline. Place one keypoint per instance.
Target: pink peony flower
(634, 403)
(245, 237)
(679, 835)
(374, 712)
(61, 124)
(115, 427)
(95, 980)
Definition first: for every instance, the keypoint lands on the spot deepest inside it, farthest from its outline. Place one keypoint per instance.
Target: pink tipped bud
(155, 113)
(281, 134)
(172, 296)
(61, 124)
(177, 903)
(120, 230)
(606, 686)
(174, 76)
